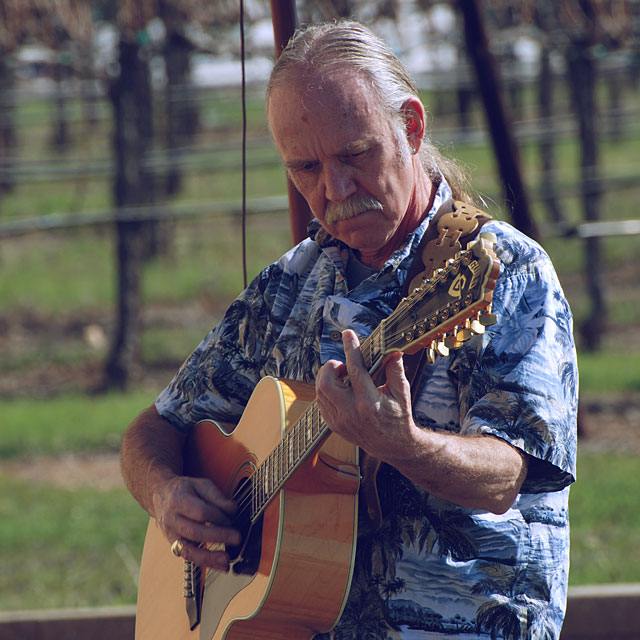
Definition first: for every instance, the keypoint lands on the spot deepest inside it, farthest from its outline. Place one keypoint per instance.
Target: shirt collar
(326, 241)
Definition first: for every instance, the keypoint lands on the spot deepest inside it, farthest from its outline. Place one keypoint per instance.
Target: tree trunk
(181, 108)
(465, 97)
(582, 78)
(545, 102)
(132, 108)
(60, 131)
(7, 124)
(499, 125)
(615, 83)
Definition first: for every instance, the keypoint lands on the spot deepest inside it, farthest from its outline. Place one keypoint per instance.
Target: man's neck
(414, 215)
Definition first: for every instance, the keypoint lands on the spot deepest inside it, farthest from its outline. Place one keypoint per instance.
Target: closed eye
(302, 167)
(356, 154)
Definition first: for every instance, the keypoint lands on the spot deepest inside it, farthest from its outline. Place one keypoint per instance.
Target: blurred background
(121, 242)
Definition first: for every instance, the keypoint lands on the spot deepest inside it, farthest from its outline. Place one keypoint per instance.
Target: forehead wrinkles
(332, 93)
(348, 94)
(335, 112)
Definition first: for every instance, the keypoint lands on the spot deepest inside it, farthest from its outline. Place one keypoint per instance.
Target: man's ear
(414, 117)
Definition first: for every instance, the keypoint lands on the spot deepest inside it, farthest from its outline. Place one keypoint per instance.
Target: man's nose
(339, 184)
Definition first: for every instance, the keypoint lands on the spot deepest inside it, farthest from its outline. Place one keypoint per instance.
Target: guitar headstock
(448, 308)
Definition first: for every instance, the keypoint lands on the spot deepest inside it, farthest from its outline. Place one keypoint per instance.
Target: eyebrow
(358, 145)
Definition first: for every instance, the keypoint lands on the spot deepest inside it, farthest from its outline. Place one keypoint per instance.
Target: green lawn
(605, 519)
(64, 548)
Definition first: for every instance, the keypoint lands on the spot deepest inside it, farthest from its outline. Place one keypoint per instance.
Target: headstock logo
(457, 286)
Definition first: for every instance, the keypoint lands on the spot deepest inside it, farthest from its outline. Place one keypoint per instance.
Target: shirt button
(336, 336)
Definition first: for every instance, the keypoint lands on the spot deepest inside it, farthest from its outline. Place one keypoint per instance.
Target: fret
(315, 421)
(253, 495)
(375, 347)
(295, 437)
(281, 462)
(257, 490)
(308, 430)
(366, 351)
(265, 482)
(291, 456)
(272, 464)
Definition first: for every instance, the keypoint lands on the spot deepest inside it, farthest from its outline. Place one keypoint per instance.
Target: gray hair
(318, 50)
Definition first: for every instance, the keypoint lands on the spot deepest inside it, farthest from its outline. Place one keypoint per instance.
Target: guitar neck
(302, 438)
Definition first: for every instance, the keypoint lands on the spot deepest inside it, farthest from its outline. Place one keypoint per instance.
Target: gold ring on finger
(177, 547)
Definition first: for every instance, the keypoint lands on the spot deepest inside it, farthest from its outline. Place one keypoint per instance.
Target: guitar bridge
(192, 591)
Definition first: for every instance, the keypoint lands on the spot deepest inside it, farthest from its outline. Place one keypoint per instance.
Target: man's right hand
(192, 510)
(195, 511)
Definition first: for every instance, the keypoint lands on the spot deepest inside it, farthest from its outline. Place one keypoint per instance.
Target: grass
(612, 371)
(69, 548)
(605, 520)
(70, 422)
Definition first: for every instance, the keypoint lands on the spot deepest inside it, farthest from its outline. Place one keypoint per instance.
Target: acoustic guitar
(296, 485)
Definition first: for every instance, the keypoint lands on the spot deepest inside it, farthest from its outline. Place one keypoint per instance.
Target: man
(476, 467)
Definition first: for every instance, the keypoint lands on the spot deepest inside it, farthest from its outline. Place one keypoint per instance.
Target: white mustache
(354, 206)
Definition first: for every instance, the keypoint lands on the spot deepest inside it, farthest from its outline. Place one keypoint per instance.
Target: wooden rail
(598, 612)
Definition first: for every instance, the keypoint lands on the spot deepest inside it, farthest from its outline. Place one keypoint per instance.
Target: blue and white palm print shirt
(434, 569)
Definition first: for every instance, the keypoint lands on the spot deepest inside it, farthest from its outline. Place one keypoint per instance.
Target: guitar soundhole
(245, 558)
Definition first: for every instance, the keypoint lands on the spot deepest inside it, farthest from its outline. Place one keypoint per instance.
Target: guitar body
(292, 579)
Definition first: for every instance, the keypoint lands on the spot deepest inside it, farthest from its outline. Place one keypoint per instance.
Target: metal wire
(244, 149)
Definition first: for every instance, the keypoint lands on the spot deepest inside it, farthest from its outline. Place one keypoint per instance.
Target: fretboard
(303, 437)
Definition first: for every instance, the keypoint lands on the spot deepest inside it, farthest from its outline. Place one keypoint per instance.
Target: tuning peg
(442, 349)
(430, 354)
(464, 334)
(476, 326)
(452, 342)
(453, 265)
(487, 319)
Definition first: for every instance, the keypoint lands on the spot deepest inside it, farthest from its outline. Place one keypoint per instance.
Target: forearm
(151, 456)
(481, 472)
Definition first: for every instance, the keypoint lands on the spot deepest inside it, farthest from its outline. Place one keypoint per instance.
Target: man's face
(344, 157)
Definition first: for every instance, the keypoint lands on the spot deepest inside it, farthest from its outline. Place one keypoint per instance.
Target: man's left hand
(376, 418)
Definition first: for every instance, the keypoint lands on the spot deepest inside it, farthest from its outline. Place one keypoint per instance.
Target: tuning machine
(451, 341)
(476, 326)
(486, 318)
(430, 354)
(441, 348)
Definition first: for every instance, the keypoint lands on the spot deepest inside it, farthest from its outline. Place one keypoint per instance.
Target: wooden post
(503, 141)
(285, 21)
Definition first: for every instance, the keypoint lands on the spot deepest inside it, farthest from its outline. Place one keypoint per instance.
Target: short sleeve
(216, 380)
(523, 385)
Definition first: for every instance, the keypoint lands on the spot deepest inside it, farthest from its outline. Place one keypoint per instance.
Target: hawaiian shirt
(434, 569)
